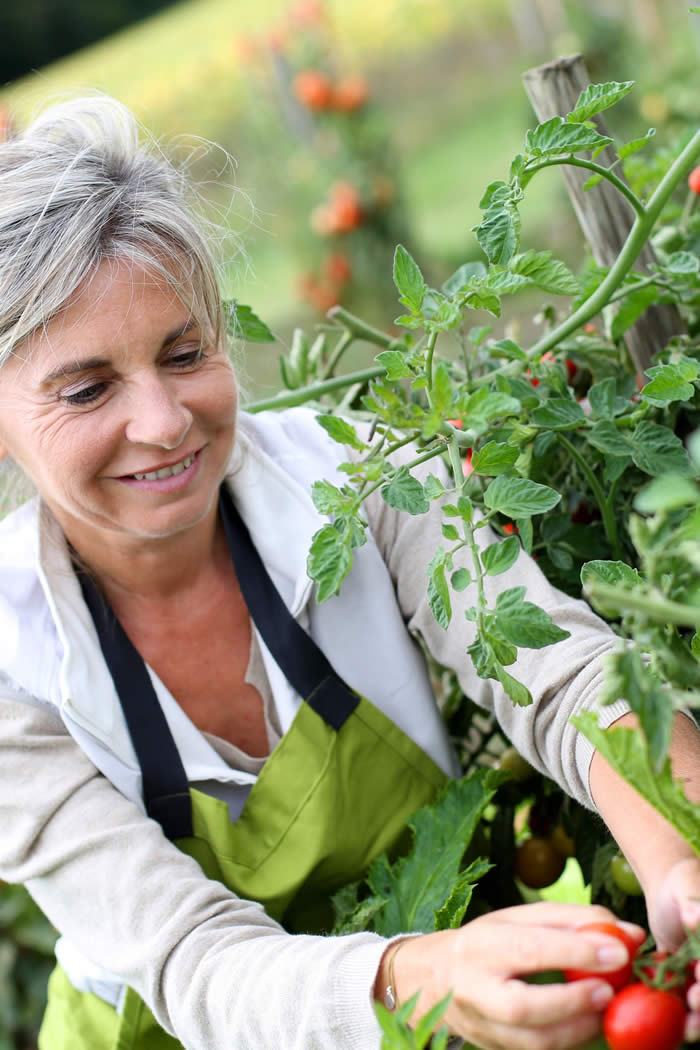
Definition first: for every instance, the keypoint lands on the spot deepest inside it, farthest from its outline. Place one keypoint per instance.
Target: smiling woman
(190, 765)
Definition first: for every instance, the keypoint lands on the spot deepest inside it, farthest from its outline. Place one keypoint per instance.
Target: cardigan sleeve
(215, 969)
(564, 678)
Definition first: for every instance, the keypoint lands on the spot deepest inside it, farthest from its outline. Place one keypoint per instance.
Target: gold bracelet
(390, 998)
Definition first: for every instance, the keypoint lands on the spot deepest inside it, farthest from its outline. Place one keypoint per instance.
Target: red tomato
(615, 978)
(313, 89)
(673, 981)
(643, 1018)
(351, 93)
(694, 180)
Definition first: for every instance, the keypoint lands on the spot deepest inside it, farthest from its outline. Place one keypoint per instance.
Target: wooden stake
(603, 214)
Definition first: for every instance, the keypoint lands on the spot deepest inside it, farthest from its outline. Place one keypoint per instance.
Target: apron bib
(334, 794)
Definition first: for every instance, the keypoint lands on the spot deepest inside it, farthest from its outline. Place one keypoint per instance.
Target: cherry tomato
(313, 89)
(694, 180)
(623, 876)
(618, 978)
(537, 863)
(643, 1018)
(351, 93)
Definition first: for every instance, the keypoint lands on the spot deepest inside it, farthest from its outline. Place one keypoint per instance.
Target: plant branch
(315, 390)
(655, 606)
(599, 169)
(606, 509)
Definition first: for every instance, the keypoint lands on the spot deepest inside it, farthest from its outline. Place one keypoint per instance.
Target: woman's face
(122, 420)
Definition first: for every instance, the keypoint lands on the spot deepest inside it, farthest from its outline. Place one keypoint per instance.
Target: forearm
(650, 844)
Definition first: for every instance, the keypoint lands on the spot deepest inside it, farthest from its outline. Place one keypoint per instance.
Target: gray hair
(81, 185)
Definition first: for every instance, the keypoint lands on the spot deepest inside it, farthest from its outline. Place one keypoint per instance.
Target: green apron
(334, 794)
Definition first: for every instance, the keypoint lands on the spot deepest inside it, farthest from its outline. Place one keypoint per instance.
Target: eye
(187, 358)
(86, 395)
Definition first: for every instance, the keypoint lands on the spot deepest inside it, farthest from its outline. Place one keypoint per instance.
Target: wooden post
(603, 213)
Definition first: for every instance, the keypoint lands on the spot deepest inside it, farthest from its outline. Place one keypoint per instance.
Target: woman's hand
(483, 964)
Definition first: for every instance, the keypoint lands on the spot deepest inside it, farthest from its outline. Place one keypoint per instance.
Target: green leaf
(601, 397)
(682, 263)
(408, 279)
(329, 561)
(495, 457)
(551, 275)
(597, 97)
(557, 136)
(450, 915)
(438, 591)
(462, 277)
(449, 532)
(440, 313)
(525, 624)
(404, 492)
(328, 499)
(592, 181)
(433, 487)
(520, 497)
(627, 752)
(612, 573)
(607, 438)
(342, 431)
(657, 450)
(525, 531)
(499, 232)
(558, 413)
(500, 556)
(517, 692)
(242, 323)
(486, 405)
(395, 363)
(460, 579)
(669, 383)
(635, 144)
(634, 305)
(667, 493)
(418, 885)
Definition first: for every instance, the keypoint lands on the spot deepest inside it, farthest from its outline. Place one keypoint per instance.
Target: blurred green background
(445, 113)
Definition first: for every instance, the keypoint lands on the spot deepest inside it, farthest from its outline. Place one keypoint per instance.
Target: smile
(166, 472)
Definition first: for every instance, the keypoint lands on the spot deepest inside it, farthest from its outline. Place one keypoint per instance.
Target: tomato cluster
(315, 90)
(646, 1014)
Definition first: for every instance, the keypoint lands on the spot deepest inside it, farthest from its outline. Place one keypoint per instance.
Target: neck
(155, 570)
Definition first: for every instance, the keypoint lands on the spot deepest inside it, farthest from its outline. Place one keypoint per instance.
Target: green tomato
(513, 761)
(623, 876)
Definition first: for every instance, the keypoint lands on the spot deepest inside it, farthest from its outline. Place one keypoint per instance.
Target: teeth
(166, 472)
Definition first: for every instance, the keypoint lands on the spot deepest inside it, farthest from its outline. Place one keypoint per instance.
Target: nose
(157, 416)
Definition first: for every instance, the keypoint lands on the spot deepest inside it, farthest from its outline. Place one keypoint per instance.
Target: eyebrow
(88, 363)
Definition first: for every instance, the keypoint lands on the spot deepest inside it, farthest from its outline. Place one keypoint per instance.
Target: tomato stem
(599, 169)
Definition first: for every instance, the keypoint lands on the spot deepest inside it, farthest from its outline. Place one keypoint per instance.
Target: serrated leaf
(395, 363)
(634, 305)
(682, 263)
(487, 405)
(328, 499)
(669, 383)
(404, 492)
(635, 144)
(438, 591)
(494, 458)
(524, 624)
(498, 557)
(598, 97)
(341, 431)
(450, 915)
(329, 561)
(242, 323)
(606, 437)
(418, 885)
(601, 397)
(520, 497)
(408, 279)
(505, 282)
(449, 532)
(657, 450)
(557, 136)
(627, 752)
(558, 413)
(612, 573)
(495, 193)
(551, 275)
(433, 487)
(462, 277)
(499, 232)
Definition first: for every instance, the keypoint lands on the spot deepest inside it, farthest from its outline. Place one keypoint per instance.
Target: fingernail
(601, 996)
(692, 1030)
(612, 955)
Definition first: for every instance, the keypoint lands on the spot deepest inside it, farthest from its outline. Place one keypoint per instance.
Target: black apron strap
(166, 791)
(295, 652)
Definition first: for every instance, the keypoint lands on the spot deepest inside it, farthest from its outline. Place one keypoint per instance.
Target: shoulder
(294, 440)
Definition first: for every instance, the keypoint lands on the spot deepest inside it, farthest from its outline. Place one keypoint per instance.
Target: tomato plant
(644, 1018)
(620, 977)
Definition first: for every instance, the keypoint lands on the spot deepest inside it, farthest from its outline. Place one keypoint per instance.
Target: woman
(183, 763)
